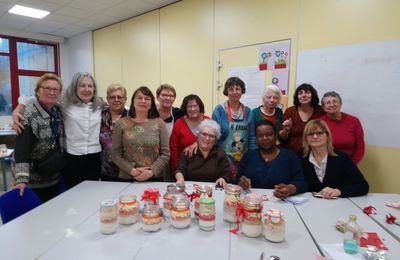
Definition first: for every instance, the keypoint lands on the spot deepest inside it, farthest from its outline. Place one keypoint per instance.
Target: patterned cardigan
(33, 143)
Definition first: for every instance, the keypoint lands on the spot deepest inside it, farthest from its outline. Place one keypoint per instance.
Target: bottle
(352, 233)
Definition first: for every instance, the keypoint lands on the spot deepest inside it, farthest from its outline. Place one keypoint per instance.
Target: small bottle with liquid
(352, 234)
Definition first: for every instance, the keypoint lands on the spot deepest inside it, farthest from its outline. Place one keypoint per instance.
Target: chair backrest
(12, 205)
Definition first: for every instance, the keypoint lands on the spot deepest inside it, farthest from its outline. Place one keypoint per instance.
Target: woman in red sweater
(347, 132)
(185, 129)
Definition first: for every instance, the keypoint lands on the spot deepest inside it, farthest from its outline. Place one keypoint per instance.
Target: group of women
(160, 142)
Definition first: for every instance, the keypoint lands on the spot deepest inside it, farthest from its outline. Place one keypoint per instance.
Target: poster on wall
(281, 79)
(274, 55)
(282, 55)
(266, 59)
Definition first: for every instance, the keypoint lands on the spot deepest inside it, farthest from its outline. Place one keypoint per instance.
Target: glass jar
(108, 216)
(274, 226)
(352, 234)
(207, 213)
(151, 196)
(151, 218)
(251, 223)
(172, 191)
(199, 191)
(128, 210)
(180, 211)
(231, 202)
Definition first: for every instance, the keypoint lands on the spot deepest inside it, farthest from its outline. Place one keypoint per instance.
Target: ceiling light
(27, 11)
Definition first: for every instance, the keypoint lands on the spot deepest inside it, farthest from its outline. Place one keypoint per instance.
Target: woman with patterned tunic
(140, 141)
(43, 131)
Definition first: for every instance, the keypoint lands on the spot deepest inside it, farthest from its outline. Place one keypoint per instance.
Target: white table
(379, 201)
(32, 234)
(130, 242)
(320, 217)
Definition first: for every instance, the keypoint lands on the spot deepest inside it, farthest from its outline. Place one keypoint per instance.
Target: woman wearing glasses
(116, 98)
(209, 163)
(330, 172)
(166, 95)
(186, 128)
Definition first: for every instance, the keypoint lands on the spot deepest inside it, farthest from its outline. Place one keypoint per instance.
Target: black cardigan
(341, 173)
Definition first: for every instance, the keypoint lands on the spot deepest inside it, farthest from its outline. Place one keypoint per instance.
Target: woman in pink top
(347, 132)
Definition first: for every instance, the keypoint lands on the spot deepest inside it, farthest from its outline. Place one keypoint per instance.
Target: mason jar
(199, 191)
(207, 213)
(180, 211)
(251, 223)
(231, 202)
(108, 216)
(128, 209)
(151, 218)
(274, 226)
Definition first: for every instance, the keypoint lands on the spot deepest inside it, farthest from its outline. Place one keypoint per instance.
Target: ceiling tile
(61, 18)
(59, 2)
(88, 5)
(14, 21)
(98, 20)
(70, 11)
(120, 12)
(137, 5)
(160, 3)
(44, 26)
(69, 31)
(38, 4)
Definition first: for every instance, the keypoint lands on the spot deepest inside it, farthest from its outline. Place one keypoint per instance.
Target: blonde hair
(312, 126)
(48, 76)
(114, 87)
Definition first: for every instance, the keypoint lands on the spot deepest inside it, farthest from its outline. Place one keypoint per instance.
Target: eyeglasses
(317, 133)
(236, 88)
(115, 98)
(48, 89)
(167, 96)
(207, 135)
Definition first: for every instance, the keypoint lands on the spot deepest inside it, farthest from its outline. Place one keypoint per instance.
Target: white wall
(76, 54)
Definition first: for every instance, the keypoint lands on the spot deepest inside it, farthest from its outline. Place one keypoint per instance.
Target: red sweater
(181, 138)
(295, 139)
(347, 135)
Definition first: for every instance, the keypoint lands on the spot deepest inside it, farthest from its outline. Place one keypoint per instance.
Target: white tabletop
(32, 234)
(379, 201)
(320, 217)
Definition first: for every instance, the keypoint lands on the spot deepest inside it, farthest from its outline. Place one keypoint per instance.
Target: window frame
(15, 72)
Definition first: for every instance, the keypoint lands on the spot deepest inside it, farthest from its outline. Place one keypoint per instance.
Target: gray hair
(72, 97)
(331, 94)
(211, 124)
(273, 88)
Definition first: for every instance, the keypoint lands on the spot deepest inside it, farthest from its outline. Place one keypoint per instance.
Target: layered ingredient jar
(180, 211)
(251, 223)
(151, 218)
(108, 216)
(199, 191)
(274, 226)
(231, 202)
(128, 210)
(172, 191)
(207, 213)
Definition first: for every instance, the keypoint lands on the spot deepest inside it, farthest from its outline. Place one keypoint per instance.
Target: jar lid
(204, 188)
(275, 213)
(127, 198)
(108, 203)
(233, 189)
(253, 198)
(151, 209)
(207, 200)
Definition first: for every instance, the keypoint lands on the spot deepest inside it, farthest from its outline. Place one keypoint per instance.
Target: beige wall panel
(337, 22)
(140, 48)
(107, 57)
(187, 49)
(379, 167)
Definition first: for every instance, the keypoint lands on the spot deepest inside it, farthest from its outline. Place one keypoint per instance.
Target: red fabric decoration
(390, 219)
(370, 210)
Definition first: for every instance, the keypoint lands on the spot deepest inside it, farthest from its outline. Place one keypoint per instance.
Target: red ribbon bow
(370, 210)
(151, 194)
(390, 219)
(241, 212)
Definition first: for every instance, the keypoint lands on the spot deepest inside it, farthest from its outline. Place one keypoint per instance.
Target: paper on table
(296, 200)
(336, 252)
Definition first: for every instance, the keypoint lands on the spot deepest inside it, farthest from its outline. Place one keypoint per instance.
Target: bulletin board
(367, 76)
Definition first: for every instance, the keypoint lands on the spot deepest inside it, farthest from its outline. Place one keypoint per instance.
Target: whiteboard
(367, 77)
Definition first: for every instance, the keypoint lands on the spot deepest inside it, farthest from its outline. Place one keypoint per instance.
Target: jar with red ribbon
(207, 213)
(198, 192)
(231, 202)
(151, 196)
(172, 191)
(274, 226)
(128, 210)
(151, 218)
(180, 211)
(251, 223)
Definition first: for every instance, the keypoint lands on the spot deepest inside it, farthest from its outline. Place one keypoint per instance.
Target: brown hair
(312, 126)
(153, 113)
(165, 87)
(48, 76)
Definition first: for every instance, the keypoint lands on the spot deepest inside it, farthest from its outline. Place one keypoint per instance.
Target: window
(22, 62)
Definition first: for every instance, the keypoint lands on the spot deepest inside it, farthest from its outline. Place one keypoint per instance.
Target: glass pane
(4, 45)
(5, 86)
(35, 57)
(27, 85)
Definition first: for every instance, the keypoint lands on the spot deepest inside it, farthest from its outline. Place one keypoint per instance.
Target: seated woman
(271, 167)
(140, 141)
(42, 132)
(347, 132)
(330, 172)
(209, 162)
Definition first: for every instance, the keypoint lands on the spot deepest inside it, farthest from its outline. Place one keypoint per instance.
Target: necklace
(267, 114)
